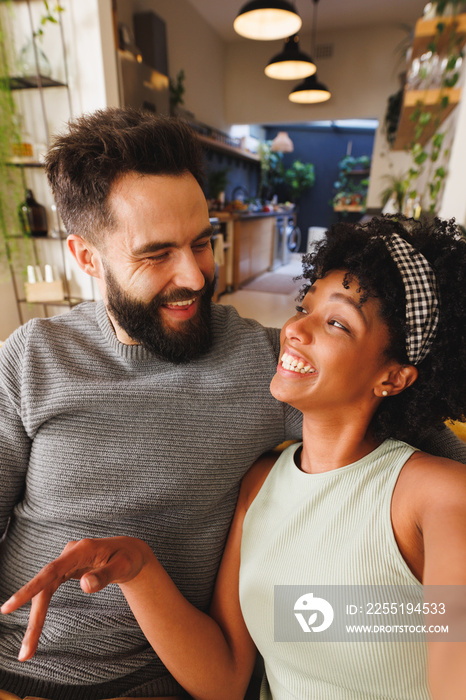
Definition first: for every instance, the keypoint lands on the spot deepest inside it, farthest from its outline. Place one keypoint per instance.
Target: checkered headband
(422, 303)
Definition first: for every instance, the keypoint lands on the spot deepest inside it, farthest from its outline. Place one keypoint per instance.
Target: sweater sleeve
(15, 444)
(293, 418)
(442, 442)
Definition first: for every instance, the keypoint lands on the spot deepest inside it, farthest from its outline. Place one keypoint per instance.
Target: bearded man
(137, 414)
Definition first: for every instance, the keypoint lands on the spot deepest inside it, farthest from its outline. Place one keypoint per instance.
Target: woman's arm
(210, 656)
(442, 520)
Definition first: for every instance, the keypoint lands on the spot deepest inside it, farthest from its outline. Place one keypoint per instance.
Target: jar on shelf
(32, 58)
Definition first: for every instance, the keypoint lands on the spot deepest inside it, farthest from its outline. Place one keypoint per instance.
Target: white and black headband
(422, 302)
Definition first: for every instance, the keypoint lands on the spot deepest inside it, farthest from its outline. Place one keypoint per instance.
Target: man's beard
(144, 324)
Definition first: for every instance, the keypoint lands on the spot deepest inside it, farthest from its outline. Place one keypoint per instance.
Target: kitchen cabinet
(254, 237)
(430, 98)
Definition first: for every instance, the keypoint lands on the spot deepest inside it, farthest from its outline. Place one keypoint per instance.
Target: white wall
(454, 199)
(361, 74)
(194, 47)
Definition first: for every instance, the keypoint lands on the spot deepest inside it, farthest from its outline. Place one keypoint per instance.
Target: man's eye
(202, 246)
(158, 258)
(337, 324)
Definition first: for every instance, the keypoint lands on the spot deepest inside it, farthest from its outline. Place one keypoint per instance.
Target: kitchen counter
(226, 215)
(253, 237)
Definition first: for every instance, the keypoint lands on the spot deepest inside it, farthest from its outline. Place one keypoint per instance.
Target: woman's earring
(384, 392)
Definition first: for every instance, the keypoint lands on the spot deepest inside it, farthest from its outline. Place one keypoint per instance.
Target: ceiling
(331, 14)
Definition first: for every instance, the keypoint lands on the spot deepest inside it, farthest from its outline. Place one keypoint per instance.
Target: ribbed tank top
(331, 528)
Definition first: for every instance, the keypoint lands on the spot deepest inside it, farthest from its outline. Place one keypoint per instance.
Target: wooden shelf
(226, 148)
(431, 102)
(349, 207)
(426, 30)
(22, 163)
(430, 99)
(74, 301)
(32, 82)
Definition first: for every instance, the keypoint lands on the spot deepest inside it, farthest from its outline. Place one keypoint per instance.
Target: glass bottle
(32, 60)
(33, 216)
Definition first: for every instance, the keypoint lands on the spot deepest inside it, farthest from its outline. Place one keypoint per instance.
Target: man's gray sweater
(99, 439)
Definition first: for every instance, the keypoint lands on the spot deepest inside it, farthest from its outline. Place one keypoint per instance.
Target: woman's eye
(301, 310)
(337, 324)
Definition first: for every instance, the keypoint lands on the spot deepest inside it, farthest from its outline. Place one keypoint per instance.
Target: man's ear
(396, 379)
(86, 255)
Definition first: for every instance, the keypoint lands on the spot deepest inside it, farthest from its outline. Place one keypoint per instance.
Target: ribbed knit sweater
(99, 439)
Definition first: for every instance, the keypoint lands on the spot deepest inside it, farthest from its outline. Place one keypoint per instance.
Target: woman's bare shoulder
(433, 481)
(255, 477)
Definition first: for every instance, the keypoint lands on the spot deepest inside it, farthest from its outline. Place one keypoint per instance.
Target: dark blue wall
(324, 146)
(240, 172)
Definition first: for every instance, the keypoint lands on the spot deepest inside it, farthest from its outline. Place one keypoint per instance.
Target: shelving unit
(41, 83)
(352, 208)
(431, 99)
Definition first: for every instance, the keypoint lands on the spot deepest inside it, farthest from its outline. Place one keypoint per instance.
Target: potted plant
(217, 181)
(299, 177)
(177, 90)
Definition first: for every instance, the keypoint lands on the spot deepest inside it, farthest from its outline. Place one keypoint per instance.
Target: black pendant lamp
(265, 20)
(291, 63)
(311, 91)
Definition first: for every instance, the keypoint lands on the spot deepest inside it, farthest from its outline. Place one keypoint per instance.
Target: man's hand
(95, 562)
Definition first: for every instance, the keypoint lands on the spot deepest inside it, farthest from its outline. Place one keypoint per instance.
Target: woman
(376, 351)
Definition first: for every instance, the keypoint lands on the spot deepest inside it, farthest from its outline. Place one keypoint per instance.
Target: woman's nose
(300, 330)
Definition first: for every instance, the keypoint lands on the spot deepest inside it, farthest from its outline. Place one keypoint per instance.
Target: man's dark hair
(84, 163)
(439, 392)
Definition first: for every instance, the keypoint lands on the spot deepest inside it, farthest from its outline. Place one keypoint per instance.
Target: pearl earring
(384, 392)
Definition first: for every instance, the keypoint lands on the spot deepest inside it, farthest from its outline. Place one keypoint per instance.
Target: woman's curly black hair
(440, 389)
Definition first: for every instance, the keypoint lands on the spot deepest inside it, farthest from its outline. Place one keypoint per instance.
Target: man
(137, 415)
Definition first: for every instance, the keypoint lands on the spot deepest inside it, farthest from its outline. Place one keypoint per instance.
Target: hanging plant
(430, 148)
(50, 15)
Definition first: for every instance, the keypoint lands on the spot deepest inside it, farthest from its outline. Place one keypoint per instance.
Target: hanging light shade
(310, 91)
(282, 143)
(291, 63)
(267, 19)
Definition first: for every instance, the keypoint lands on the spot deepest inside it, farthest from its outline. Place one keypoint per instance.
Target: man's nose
(188, 273)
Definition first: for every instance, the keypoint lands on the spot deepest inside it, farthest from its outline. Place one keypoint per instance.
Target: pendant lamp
(291, 63)
(282, 143)
(311, 91)
(265, 20)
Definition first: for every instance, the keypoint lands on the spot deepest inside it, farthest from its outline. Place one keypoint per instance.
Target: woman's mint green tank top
(332, 528)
